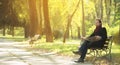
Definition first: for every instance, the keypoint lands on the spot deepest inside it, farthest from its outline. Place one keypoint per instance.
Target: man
(96, 39)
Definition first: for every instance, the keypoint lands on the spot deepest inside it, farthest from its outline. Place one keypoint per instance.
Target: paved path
(13, 53)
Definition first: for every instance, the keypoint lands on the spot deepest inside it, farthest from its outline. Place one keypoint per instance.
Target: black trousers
(83, 49)
(86, 45)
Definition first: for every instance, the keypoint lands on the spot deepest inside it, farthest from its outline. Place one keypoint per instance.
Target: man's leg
(81, 48)
(83, 51)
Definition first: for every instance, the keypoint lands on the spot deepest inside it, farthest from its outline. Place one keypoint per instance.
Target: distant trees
(99, 8)
(9, 16)
(117, 17)
(35, 24)
(69, 22)
(108, 5)
(57, 18)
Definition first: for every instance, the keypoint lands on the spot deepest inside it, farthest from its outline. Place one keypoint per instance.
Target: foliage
(21, 10)
(59, 11)
(66, 49)
(117, 38)
(19, 31)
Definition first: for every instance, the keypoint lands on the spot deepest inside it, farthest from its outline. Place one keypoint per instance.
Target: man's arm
(104, 33)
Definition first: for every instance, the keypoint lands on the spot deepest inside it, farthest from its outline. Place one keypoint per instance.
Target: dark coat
(103, 33)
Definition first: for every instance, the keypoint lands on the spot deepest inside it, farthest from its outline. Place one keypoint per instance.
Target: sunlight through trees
(55, 19)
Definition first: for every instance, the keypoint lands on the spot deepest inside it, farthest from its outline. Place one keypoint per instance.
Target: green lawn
(15, 38)
(67, 48)
(63, 48)
(116, 53)
(58, 47)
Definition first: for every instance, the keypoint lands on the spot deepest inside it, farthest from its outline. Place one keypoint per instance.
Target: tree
(69, 22)
(48, 31)
(99, 8)
(108, 10)
(4, 29)
(40, 17)
(33, 17)
(115, 8)
(20, 11)
(78, 32)
(83, 20)
(4, 10)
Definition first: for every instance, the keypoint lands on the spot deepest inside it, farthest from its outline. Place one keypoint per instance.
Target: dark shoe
(80, 61)
(77, 52)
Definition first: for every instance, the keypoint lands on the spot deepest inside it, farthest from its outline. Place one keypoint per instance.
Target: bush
(19, 31)
(57, 34)
(117, 38)
(114, 31)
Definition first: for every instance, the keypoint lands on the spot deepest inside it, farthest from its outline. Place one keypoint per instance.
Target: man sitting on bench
(95, 40)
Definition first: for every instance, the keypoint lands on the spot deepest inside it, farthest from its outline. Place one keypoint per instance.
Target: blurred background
(58, 19)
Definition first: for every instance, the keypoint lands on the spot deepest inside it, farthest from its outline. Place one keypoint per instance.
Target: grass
(116, 48)
(116, 54)
(58, 47)
(67, 48)
(62, 48)
(15, 38)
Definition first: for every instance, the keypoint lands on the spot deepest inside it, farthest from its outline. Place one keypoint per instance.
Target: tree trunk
(108, 10)
(119, 31)
(99, 8)
(71, 31)
(67, 29)
(83, 20)
(25, 33)
(12, 31)
(115, 7)
(119, 28)
(69, 22)
(27, 30)
(79, 33)
(4, 30)
(40, 17)
(48, 31)
(33, 17)
(96, 8)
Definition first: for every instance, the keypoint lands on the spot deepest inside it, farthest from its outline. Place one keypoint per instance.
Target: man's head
(98, 22)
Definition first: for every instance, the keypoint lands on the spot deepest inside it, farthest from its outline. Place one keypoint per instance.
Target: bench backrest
(108, 42)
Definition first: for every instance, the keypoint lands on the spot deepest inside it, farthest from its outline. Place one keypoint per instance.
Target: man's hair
(99, 20)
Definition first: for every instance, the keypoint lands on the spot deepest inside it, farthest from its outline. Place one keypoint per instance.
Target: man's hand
(98, 37)
(83, 38)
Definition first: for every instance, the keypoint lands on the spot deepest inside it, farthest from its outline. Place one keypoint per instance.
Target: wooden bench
(36, 37)
(105, 50)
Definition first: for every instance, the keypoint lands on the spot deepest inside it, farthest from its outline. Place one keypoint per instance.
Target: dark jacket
(103, 33)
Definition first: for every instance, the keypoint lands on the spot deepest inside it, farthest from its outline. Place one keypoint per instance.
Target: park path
(14, 53)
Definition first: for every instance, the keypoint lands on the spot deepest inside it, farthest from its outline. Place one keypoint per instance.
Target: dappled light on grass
(60, 48)
(66, 50)
(116, 48)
